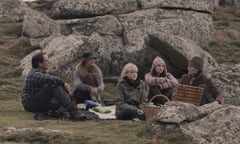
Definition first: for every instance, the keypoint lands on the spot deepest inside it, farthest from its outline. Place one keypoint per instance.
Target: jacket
(202, 79)
(129, 97)
(80, 75)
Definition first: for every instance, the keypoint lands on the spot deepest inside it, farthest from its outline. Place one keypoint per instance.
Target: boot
(74, 113)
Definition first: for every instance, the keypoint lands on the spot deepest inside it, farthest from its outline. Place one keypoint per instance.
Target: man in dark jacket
(40, 89)
(195, 77)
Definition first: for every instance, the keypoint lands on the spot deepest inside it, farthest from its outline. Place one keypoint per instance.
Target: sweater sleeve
(170, 81)
(101, 85)
(152, 80)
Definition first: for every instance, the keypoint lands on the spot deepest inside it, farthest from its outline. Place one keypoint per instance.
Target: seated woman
(88, 80)
(131, 94)
(160, 81)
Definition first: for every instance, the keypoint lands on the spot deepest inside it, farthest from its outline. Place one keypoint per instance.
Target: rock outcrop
(227, 79)
(122, 30)
(208, 124)
(11, 11)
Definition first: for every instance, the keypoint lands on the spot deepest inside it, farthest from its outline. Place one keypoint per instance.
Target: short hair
(128, 67)
(37, 58)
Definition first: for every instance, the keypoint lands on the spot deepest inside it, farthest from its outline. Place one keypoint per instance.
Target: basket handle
(159, 95)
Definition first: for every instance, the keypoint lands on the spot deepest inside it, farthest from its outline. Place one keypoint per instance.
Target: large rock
(227, 79)
(38, 25)
(177, 51)
(208, 124)
(220, 127)
(203, 5)
(65, 52)
(187, 24)
(234, 3)
(124, 32)
(11, 11)
(90, 8)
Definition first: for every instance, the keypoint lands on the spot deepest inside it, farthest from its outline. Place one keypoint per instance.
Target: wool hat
(197, 62)
(157, 61)
(87, 56)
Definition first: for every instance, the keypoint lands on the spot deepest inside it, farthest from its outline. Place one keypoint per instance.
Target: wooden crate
(189, 94)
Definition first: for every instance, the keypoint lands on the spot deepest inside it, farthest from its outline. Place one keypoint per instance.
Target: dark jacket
(200, 79)
(129, 97)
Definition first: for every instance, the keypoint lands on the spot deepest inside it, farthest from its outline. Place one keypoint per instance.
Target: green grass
(225, 53)
(10, 30)
(227, 47)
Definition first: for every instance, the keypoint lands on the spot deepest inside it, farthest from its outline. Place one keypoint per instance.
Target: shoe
(76, 115)
(136, 119)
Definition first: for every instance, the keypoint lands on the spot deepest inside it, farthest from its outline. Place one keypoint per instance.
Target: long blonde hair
(127, 68)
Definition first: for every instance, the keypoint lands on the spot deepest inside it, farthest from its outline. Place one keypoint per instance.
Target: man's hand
(67, 88)
(140, 112)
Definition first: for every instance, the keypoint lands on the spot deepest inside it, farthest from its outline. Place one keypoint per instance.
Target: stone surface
(203, 5)
(227, 79)
(208, 124)
(220, 127)
(11, 11)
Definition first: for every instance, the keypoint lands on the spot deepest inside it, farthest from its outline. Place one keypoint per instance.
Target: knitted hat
(197, 62)
(87, 56)
(157, 61)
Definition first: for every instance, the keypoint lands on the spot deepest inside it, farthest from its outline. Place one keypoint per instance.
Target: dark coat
(129, 97)
(200, 79)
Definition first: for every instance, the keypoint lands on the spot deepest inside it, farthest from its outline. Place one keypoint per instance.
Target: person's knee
(203, 86)
(126, 114)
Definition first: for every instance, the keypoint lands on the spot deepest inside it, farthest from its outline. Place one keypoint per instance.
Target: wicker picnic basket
(151, 110)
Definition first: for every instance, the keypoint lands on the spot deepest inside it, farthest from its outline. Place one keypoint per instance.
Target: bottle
(90, 104)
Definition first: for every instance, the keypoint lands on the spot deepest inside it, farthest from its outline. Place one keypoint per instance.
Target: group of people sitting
(43, 92)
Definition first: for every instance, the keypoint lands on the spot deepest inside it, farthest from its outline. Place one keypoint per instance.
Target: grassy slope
(224, 48)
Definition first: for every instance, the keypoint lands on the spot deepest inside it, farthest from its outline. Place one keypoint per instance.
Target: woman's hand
(94, 91)
(140, 112)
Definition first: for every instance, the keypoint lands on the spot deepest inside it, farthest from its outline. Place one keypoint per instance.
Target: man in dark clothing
(43, 92)
(195, 77)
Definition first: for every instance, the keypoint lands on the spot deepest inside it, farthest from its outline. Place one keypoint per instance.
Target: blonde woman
(131, 94)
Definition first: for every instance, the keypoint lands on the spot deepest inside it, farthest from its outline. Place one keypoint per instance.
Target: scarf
(133, 83)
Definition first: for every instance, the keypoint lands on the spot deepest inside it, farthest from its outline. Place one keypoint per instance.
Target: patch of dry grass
(225, 47)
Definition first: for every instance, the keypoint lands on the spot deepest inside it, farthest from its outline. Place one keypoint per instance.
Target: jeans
(128, 114)
(207, 97)
(42, 101)
(81, 96)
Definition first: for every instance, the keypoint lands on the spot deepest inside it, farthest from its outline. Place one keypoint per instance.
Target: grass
(10, 30)
(225, 53)
(225, 47)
